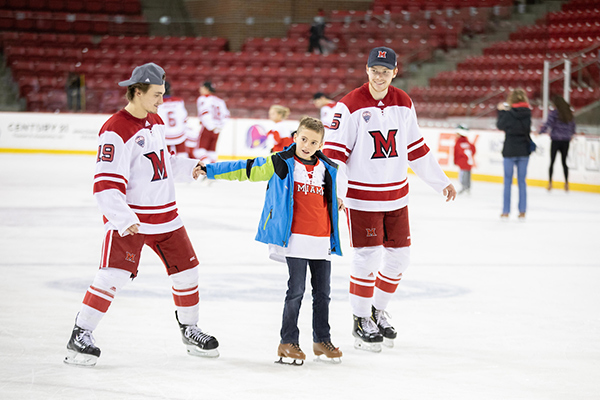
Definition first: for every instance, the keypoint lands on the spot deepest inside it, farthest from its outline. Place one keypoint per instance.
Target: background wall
(243, 138)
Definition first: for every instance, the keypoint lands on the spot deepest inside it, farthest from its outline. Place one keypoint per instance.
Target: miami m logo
(381, 54)
(384, 147)
(158, 164)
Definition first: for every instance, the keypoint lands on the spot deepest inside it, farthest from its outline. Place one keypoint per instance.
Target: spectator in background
(213, 115)
(325, 106)
(463, 158)
(561, 124)
(73, 88)
(174, 114)
(514, 118)
(279, 137)
(317, 33)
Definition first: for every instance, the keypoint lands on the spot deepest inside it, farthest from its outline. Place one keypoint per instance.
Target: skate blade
(322, 358)
(79, 359)
(294, 362)
(366, 346)
(197, 352)
(388, 342)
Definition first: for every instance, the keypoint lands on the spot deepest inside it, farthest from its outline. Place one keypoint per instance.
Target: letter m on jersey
(158, 164)
(384, 147)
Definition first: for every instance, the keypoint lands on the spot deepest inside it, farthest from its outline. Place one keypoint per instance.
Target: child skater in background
(299, 222)
(463, 158)
(279, 137)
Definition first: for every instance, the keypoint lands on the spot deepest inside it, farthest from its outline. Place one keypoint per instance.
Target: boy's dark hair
(313, 124)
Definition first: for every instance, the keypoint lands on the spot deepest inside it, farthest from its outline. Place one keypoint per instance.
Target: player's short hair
(517, 96)
(313, 124)
(281, 110)
(142, 87)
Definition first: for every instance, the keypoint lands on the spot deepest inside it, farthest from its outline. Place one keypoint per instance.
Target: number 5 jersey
(378, 140)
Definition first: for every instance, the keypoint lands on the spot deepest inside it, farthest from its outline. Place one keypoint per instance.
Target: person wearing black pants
(561, 124)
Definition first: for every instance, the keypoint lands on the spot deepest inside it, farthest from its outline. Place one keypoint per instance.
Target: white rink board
(78, 133)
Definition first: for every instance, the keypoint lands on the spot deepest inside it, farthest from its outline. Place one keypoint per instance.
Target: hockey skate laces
(195, 333)
(382, 317)
(86, 338)
(369, 325)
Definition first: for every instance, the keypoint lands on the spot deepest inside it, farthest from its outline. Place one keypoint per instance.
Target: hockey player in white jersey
(326, 107)
(213, 115)
(135, 191)
(174, 114)
(375, 138)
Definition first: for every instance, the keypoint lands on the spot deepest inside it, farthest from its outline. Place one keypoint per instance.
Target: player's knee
(185, 279)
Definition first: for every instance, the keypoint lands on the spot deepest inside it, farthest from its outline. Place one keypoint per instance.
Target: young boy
(463, 158)
(299, 222)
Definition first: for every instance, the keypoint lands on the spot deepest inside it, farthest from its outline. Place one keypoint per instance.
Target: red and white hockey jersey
(327, 114)
(174, 114)
(212, 112)
(135, 175)
(378, 140)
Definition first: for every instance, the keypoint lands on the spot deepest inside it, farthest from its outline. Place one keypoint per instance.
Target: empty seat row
(96, 24)
(129, 7)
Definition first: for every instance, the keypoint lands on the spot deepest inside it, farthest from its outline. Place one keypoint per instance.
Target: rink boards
(245, 138)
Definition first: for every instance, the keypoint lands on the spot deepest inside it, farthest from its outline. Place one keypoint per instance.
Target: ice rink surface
(487, 310)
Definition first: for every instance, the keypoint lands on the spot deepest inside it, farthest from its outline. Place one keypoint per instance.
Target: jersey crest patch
(140, 140)
(366, 116)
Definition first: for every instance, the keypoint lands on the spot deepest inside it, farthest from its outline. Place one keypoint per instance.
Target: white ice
(487, 310)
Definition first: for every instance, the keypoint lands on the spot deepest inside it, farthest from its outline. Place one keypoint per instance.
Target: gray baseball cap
(147, 73)
(383, 56)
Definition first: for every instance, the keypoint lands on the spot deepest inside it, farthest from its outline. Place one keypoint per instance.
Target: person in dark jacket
(514, 118)
(561, 124)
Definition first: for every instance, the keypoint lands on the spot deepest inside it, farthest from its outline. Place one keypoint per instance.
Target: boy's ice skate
(332, 354)
(81, 349)
(197, 342)
(387, 330)
(290, 350)
(367, 334)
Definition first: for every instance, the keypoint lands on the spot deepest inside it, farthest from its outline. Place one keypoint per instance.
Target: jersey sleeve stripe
(113, 176)
(418, 153)
(101, 186)
(412, 146)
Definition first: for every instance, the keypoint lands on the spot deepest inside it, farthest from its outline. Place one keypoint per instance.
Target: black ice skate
(81, 349)
(197, 342)
(290, 350)
(367, 334)
(389, 333)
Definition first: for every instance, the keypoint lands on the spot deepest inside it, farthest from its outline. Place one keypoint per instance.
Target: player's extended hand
(199, 169)
(341, 206)
(450, 192)
(133, 229)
